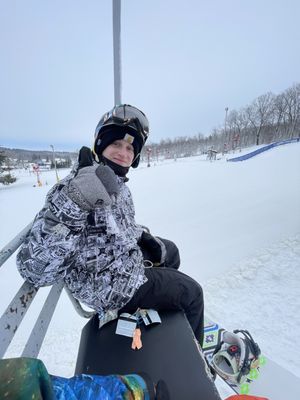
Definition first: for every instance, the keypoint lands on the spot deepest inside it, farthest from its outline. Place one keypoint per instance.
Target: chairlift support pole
(117, 50)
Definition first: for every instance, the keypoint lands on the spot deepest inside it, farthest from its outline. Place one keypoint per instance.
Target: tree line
(17, 158)
(267, 119)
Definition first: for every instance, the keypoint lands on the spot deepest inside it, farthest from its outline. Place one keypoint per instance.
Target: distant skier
(86, 233)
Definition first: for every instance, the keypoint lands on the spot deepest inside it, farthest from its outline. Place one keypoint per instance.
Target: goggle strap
(95, 155)
(135, 158)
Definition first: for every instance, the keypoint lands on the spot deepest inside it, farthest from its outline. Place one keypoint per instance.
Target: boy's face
(120, 152)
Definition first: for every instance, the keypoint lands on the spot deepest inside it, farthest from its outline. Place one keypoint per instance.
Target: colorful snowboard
(268, 379)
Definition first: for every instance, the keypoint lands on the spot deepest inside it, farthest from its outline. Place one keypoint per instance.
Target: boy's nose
(122, 151)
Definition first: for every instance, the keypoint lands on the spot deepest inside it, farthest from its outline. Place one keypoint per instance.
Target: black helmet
(122, 122)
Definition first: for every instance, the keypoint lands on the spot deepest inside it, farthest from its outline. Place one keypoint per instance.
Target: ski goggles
(128, 116)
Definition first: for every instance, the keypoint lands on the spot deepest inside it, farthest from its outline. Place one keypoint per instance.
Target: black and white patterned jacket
(96, 252)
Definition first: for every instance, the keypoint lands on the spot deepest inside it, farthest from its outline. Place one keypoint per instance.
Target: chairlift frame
(17, 308)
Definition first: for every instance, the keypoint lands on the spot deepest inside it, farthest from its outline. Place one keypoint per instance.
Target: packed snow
(238, 229)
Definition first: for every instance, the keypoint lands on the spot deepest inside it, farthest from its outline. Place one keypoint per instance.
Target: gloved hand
(94, 185)
(153, 249)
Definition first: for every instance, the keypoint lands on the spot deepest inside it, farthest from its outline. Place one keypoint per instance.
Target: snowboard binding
(235, 356)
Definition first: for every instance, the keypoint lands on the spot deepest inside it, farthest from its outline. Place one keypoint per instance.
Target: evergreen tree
(2, 157)
(5, 179)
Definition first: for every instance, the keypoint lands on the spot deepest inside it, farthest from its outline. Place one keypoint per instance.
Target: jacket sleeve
(52, 245)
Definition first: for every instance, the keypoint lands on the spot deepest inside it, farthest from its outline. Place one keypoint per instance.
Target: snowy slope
(237, 226)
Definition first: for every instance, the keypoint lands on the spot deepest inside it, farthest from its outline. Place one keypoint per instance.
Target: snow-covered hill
(238, 229)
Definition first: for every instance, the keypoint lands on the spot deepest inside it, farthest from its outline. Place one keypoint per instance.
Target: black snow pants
(169, 289)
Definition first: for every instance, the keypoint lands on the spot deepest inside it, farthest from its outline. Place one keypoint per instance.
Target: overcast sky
(183, 62)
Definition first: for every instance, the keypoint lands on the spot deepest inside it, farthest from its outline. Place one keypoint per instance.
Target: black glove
(85, 158)
(153, 248)
(93, 185)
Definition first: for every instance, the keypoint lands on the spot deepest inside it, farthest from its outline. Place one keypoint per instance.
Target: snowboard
(268, 379)
(169, 352)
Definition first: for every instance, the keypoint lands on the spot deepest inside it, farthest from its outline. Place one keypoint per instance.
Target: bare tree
(292, 111)
(239, 122)
(260, 114)
(280, 120)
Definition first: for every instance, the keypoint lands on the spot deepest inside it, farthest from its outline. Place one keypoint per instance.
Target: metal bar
(36, 338)
(77, 306)
(14, 244)
(117, 49)
(14, 314)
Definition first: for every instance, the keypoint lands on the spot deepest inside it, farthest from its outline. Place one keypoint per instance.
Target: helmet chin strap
(118, 169)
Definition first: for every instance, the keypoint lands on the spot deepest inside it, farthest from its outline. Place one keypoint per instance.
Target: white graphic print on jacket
(95, 252)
